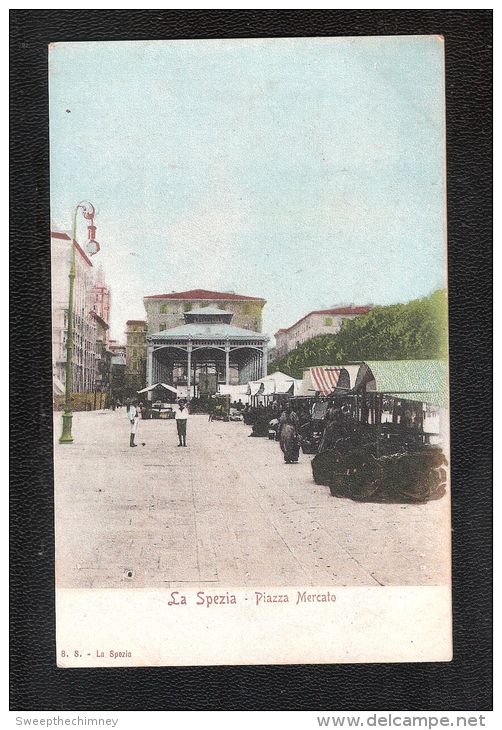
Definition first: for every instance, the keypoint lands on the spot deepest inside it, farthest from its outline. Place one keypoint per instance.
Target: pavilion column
(149, 365)
(158, 370)
(189, 369)
(264, 365)
(227, 363)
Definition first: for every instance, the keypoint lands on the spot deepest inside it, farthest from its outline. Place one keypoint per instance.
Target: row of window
(328, 322)
(163, 326)
(188, 306)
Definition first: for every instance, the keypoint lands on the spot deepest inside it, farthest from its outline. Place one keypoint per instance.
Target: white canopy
(352, 371)
(234, 391)
(300, 388)
(277, 382)
(255, 387)
(268, 387)
(158, 385)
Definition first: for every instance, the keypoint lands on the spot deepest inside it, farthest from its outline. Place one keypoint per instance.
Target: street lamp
(92, 247)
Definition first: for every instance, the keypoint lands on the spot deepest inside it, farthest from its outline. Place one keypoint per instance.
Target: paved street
(224, 511)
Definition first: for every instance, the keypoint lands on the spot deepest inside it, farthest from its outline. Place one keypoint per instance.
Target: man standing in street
(133, 415)
(181, 423)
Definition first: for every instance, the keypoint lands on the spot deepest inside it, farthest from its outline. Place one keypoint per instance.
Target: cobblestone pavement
(225, 511)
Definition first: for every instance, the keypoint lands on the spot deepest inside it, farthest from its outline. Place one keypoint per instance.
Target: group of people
(291, 421)
(136, 411)
(337, 424)
(294, 421)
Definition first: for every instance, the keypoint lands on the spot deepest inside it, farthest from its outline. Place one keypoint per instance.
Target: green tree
(413, 331)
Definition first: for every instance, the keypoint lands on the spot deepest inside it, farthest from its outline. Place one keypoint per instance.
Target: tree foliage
(413, 331)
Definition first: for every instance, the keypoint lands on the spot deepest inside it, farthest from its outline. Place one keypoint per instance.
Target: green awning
(418, 380)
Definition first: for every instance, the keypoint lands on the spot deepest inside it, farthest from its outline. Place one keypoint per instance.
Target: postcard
(250, 351)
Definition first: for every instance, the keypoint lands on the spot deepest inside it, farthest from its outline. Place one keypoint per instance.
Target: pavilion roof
(207, 331)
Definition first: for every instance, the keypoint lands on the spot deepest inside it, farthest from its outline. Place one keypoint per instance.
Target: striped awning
(325, 379)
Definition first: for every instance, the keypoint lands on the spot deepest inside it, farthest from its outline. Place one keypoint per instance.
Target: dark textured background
(465, 683)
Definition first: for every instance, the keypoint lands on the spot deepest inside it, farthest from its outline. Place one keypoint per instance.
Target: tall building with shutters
(84, 325)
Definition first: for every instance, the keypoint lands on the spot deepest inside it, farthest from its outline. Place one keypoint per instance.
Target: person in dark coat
(334, 429)
(283, 419)
(289, 441)
(293, 418)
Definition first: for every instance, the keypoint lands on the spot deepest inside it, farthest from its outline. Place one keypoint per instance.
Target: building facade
(103, 356)
(101, 306)
(135, 354)
(117, 372)
(84, 325)
(117, 348)
(318, 322)
(101, 299)
(165, 311)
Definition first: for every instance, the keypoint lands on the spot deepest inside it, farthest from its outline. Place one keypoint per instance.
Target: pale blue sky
(306, 171)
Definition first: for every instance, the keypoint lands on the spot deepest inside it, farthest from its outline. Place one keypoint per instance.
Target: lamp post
(92, 247)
